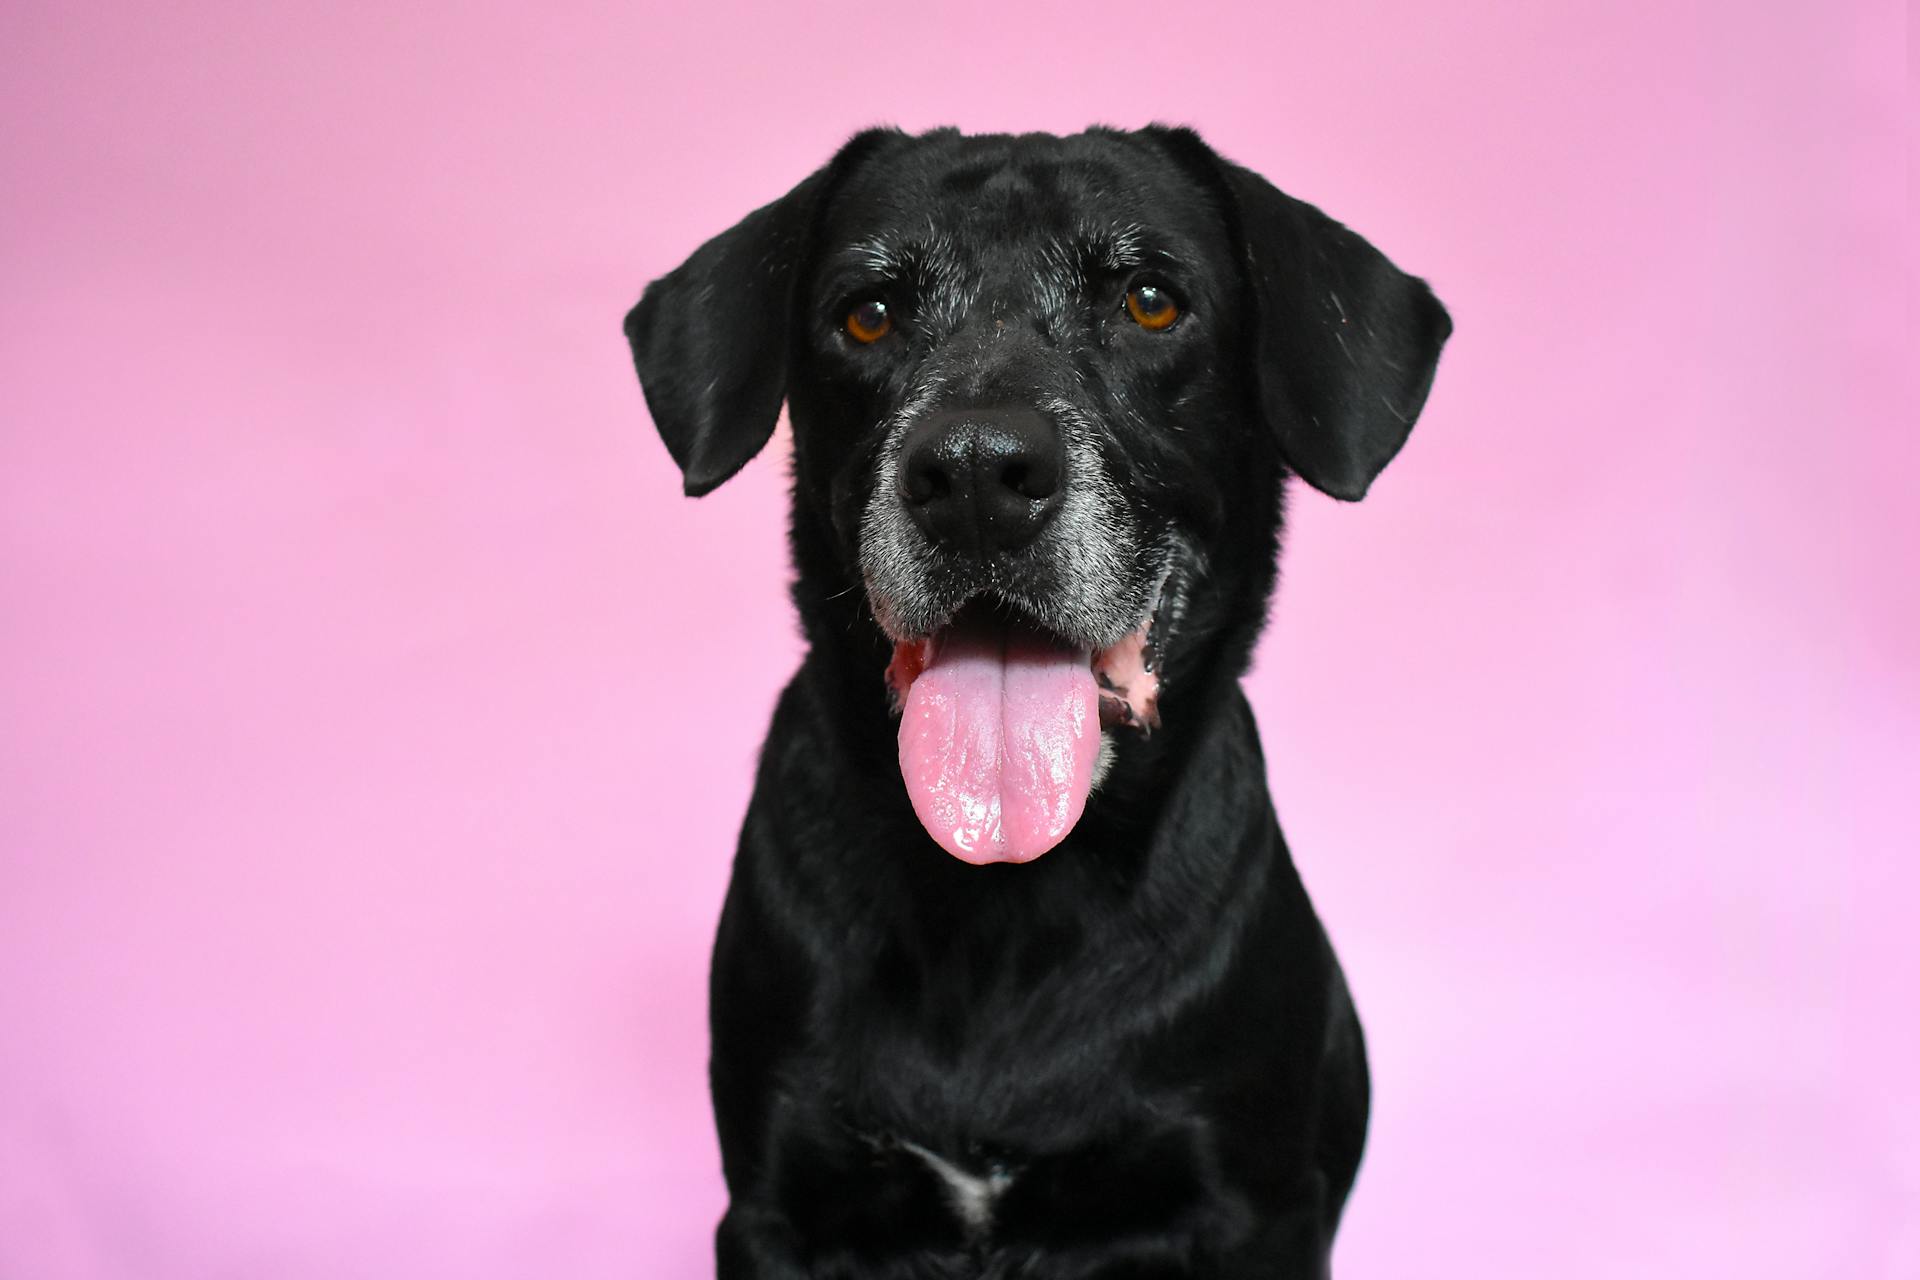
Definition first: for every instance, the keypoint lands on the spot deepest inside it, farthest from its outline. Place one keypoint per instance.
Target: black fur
(1140, 1043)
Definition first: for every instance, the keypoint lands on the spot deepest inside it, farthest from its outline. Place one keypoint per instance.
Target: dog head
(1045, 393)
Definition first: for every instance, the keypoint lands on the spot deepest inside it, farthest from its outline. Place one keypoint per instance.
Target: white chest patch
(971, 1195)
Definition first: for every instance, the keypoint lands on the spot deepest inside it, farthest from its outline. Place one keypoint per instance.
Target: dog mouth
(1001, 722)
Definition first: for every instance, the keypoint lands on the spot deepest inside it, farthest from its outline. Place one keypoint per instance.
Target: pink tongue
(997, 743)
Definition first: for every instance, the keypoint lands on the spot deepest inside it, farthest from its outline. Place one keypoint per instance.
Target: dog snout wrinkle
(979, 482)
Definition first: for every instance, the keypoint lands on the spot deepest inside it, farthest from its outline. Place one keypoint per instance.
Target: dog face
(1044, 394)
(1046, 307)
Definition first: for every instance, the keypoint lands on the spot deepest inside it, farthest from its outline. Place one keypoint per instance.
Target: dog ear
(710, 339)
(1345, 343)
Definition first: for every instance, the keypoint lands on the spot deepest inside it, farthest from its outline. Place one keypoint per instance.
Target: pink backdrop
(376, 717)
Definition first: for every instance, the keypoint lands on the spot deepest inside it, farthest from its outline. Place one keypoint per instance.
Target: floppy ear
(710, 339)
(1345, 342)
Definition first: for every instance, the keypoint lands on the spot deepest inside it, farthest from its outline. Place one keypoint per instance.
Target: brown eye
(1152, 307)
(869, 322)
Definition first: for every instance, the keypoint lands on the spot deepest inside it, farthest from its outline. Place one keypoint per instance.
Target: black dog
(1045, 394)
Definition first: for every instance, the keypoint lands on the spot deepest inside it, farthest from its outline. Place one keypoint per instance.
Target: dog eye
(1152, 307)
(869, 322)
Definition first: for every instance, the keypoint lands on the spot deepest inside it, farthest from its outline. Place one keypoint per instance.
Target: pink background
(376, 717)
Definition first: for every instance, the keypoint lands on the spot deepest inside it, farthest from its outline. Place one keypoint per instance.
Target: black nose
(981, 481)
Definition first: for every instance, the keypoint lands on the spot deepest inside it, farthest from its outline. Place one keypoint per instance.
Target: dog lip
(1015, 611)
(913, 654)
(1127, 671)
